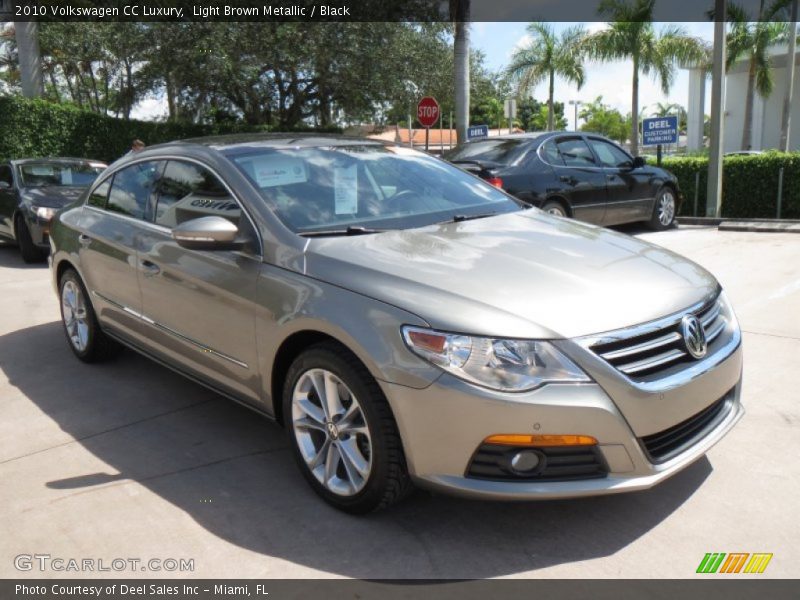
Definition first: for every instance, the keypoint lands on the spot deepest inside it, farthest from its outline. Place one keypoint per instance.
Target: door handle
(84, 239)
(149, 268)
(611, 176)
(568, 179)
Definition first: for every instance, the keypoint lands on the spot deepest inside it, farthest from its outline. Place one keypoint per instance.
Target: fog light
(525, 461)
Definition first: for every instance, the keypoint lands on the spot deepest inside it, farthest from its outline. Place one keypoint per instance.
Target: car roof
(22, 161)
(277, 140)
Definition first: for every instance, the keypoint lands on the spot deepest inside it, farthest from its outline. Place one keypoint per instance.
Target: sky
(612, 81)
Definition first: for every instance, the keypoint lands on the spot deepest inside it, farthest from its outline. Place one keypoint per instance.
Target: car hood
(524, 274)
(54, 197)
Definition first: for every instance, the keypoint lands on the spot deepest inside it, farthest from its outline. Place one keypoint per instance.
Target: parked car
(32, 190)
(404, 320)
(578, 175)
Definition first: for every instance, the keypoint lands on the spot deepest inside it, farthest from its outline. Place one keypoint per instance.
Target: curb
(751, 225)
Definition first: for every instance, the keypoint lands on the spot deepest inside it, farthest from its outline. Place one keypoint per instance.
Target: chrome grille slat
(643, 347)
(711, 315)
(647, 351)
(712, 334)
(651, 362)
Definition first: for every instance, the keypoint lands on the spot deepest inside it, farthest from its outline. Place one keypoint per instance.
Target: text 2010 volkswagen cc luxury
(405, 321)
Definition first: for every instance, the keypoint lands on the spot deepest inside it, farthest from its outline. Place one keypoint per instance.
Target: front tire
(342, 432)
(31, 253)
(86, 340)
(664, 210)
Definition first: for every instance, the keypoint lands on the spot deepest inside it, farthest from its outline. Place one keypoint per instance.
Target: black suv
(584, 176)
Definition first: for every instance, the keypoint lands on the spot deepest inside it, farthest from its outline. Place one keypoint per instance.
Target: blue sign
(660, 130)
(477, 132)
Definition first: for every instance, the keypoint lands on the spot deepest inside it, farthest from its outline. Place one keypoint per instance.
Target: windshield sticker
(273, 172)
(345, 189)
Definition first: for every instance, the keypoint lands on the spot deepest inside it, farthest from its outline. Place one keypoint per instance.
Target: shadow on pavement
(230, 470)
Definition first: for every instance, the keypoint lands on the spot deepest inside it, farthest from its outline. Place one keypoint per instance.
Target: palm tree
(631, 35)
(546, 56)
(30, 58)
(751, 41)
(459, 13)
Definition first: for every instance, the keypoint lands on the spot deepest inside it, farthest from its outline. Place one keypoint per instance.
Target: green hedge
(34, 128)
(749, 184)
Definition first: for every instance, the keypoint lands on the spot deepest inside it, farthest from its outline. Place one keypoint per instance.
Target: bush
(35, 128)
(749, 184)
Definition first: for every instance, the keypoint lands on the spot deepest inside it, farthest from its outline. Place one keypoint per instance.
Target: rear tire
(348, 448)
(664, 209)
(86, 340)
(555, 208)
(31, 253)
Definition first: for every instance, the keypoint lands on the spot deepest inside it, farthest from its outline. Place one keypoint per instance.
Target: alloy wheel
(331, 432)
(666, 208)
(73, 306)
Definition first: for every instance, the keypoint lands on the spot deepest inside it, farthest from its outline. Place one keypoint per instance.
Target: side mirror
(639, 162)
(207, 233)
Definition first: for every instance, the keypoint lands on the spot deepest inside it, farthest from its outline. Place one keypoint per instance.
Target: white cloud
(150, 109)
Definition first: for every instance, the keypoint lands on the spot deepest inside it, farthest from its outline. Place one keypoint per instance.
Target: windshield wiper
(351, 230)
(460, 218)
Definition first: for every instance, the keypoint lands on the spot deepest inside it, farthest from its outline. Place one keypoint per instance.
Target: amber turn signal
(540, 441)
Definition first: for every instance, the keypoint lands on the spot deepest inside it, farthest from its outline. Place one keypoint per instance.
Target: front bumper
(442, 426)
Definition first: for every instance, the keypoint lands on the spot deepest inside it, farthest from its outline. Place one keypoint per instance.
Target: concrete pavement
(128, 460)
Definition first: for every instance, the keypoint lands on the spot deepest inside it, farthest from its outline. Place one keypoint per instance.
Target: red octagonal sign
(428, 111)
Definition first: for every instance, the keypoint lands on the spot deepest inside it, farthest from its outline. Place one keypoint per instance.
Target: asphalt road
(128, 460)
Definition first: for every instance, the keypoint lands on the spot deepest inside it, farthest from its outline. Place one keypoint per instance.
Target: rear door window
(575, 153)
(132, 188)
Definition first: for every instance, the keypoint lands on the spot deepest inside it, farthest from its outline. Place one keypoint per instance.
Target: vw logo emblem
(694, 336)
(333, 431)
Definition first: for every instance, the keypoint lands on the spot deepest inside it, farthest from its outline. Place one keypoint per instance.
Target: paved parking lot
(128, 460)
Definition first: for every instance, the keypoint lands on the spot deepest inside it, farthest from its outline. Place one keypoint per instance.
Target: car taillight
(495, 181)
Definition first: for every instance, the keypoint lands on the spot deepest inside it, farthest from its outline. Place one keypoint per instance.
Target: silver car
(405, 321)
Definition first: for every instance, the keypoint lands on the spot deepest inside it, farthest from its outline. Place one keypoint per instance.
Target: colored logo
(735, 562)
(694, 336)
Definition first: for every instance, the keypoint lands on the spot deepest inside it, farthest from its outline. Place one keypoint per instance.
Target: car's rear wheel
(554, 208)
(664, 209)
(83, 332)
(31, 253)
(342, 431)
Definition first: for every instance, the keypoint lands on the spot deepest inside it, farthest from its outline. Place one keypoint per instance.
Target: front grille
(564, 463)
(659, 351)
(662, 446)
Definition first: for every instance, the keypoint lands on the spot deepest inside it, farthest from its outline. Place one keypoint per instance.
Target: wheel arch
(561, 200)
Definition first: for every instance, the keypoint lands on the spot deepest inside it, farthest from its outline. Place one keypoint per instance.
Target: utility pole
(576, 104)
(714, 190)
(786, 122)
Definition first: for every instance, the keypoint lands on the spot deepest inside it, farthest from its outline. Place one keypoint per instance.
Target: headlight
(505, 365)
(44, 212)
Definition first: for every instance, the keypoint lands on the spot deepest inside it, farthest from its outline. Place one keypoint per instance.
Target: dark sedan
(578, 175)
(32, 190)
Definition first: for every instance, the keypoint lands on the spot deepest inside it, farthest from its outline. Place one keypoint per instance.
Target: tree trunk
(747, 132)
(460, 14)
(550, 110)
(635, 108)
(30, 59)
(786, 120)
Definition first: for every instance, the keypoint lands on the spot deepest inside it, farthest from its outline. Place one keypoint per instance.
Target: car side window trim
(161, 228)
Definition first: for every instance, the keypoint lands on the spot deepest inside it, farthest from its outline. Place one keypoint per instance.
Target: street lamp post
(576, 104)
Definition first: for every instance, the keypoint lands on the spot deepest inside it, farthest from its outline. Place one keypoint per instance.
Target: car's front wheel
(342, 431)
(664, 210)
(30, 252)
(83, 332)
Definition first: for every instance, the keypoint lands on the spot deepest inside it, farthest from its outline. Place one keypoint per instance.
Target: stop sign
(428, 111)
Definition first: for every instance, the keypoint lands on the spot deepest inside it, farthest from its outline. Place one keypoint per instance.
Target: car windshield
(365, 188)
(59, 174)
(501, 151)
